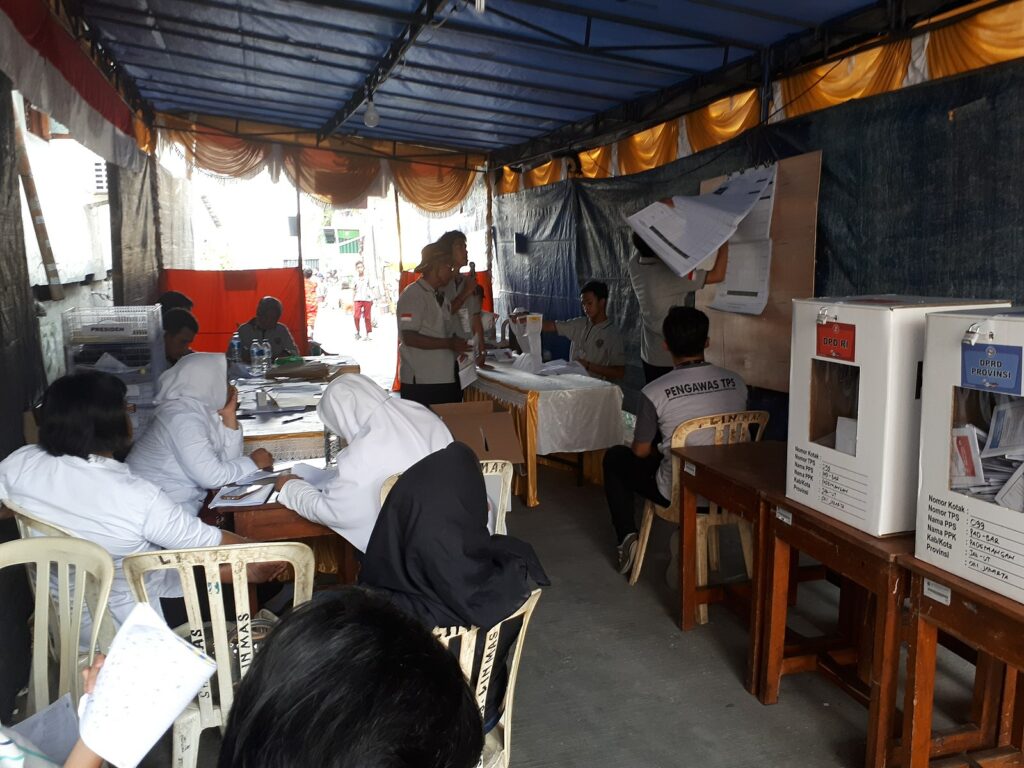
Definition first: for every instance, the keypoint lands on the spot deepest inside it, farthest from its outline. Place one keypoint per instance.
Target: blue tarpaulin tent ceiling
(515, 79)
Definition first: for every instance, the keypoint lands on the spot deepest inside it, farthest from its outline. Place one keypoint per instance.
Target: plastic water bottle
(235, 350)
(256, 357)
(268, 357)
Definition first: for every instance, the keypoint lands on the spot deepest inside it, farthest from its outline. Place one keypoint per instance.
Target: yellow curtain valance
(649, 149)
(596, 163)
(867, 73)
(722, 120)
(340, 171)
(989, 37)
(509, 181)
(548, 173)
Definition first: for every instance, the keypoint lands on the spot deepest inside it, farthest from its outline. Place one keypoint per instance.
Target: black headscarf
(430, 550)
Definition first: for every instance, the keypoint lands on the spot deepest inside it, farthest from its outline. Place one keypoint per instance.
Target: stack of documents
(990, 465)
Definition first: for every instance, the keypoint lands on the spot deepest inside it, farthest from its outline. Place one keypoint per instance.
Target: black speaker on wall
(522, 244)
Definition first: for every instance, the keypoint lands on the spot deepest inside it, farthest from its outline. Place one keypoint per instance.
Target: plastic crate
(104, 325)
(131, 335)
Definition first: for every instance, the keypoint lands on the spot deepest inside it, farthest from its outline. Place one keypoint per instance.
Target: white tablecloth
(574, 413)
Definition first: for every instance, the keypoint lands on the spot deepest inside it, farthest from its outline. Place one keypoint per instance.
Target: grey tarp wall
(920, 193)
(134, 233)
(22, 382)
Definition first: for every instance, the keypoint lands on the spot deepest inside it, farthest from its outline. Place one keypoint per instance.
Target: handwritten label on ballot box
(836, 340)
(991, 367)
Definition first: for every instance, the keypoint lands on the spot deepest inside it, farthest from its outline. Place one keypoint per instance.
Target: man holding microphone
(462, 293)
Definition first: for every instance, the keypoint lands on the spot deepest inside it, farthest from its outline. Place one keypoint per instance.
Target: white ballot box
(971, 500)
(855, 407)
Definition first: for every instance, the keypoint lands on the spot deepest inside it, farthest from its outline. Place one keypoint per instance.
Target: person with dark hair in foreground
(596, 342)
(351, 682)
(180, 329)
(174, 300)
(76, 479)
(432, 555)
(693, 388)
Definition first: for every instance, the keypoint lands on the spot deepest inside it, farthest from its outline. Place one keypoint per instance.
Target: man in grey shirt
(429, 345)
(693, 388)
(266, 327)
(596, 342)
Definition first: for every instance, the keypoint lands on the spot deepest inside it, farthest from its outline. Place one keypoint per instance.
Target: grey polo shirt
(419, 310)
(687, 392)
(601, 343)
(462, 323)
(281, 342)
(657, 289)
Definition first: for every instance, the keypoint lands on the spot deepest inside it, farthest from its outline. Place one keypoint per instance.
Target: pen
(289, 421)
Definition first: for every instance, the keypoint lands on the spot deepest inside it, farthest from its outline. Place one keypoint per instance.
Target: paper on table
(747, 277)
(255, 477)
(1006, 433)
(561, 368)
(53, 730)
(148, 678)
(251, 500)
(467, 370)
(315, 476)
(529, 362)
(965, 467)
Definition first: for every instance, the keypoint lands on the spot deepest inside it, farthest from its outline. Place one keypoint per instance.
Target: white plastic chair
(463, 640)
(30, 526)
(503, 469)
(77, 562)
(208, 710)
(729, 428)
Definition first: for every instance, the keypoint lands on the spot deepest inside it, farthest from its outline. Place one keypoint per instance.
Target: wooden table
(274, 522)
(860, 559)
(735, 477)
(988, 622)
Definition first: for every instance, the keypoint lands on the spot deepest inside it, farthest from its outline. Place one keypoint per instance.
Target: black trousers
(651, 372)
(432, 394)
(625, 475)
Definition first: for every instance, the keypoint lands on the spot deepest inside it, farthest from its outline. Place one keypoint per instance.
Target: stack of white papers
(251, 495)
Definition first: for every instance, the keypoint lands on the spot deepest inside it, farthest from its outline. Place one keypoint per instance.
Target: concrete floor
(608, 680)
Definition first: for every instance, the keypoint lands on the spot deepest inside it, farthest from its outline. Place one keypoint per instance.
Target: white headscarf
(385, 436)
(198, 379)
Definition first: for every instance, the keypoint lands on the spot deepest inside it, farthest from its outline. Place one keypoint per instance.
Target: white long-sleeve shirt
(100, 500)
(187, 453)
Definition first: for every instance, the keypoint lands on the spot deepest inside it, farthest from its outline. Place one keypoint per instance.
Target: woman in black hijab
(431, 553)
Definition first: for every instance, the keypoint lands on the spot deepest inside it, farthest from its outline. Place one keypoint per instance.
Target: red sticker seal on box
(837, 341)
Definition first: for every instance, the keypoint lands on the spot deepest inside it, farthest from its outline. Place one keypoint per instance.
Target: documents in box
(971, 500)
(484, 427)
(855, 407)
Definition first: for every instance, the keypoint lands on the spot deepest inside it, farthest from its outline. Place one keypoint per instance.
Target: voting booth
(971, 503)
(855, 407)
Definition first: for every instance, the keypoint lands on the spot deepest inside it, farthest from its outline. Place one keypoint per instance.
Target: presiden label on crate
(836, 340)
(990, 367)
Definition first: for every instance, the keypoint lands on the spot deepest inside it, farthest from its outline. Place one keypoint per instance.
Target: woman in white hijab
(384, 435)
(194, 442)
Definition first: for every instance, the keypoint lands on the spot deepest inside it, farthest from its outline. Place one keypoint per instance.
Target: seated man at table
(266, 326)
(596, 342)
(694, 388)
(180, 329)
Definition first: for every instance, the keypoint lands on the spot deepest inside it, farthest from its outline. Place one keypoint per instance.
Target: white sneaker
(627, 553)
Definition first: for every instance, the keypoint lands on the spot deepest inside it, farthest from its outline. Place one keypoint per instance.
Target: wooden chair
(208, 710)
(78, 562)
(463, 642)
(503, 469)
(729, 428)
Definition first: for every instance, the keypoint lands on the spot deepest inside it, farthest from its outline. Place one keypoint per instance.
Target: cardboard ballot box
(970, 514)
(855, 407)
(484, 427)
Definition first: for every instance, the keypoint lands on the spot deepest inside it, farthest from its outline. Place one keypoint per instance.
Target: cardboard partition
(970, 508)
(485, 428)
(855, 407)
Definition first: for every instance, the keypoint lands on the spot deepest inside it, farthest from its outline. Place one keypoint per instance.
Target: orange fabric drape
(333, 178)
(596, 163)
(723, 120)
(548, 173)
(990, 37)
(867, 73)
(509, 181)
(649, 149)
(432, 187)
